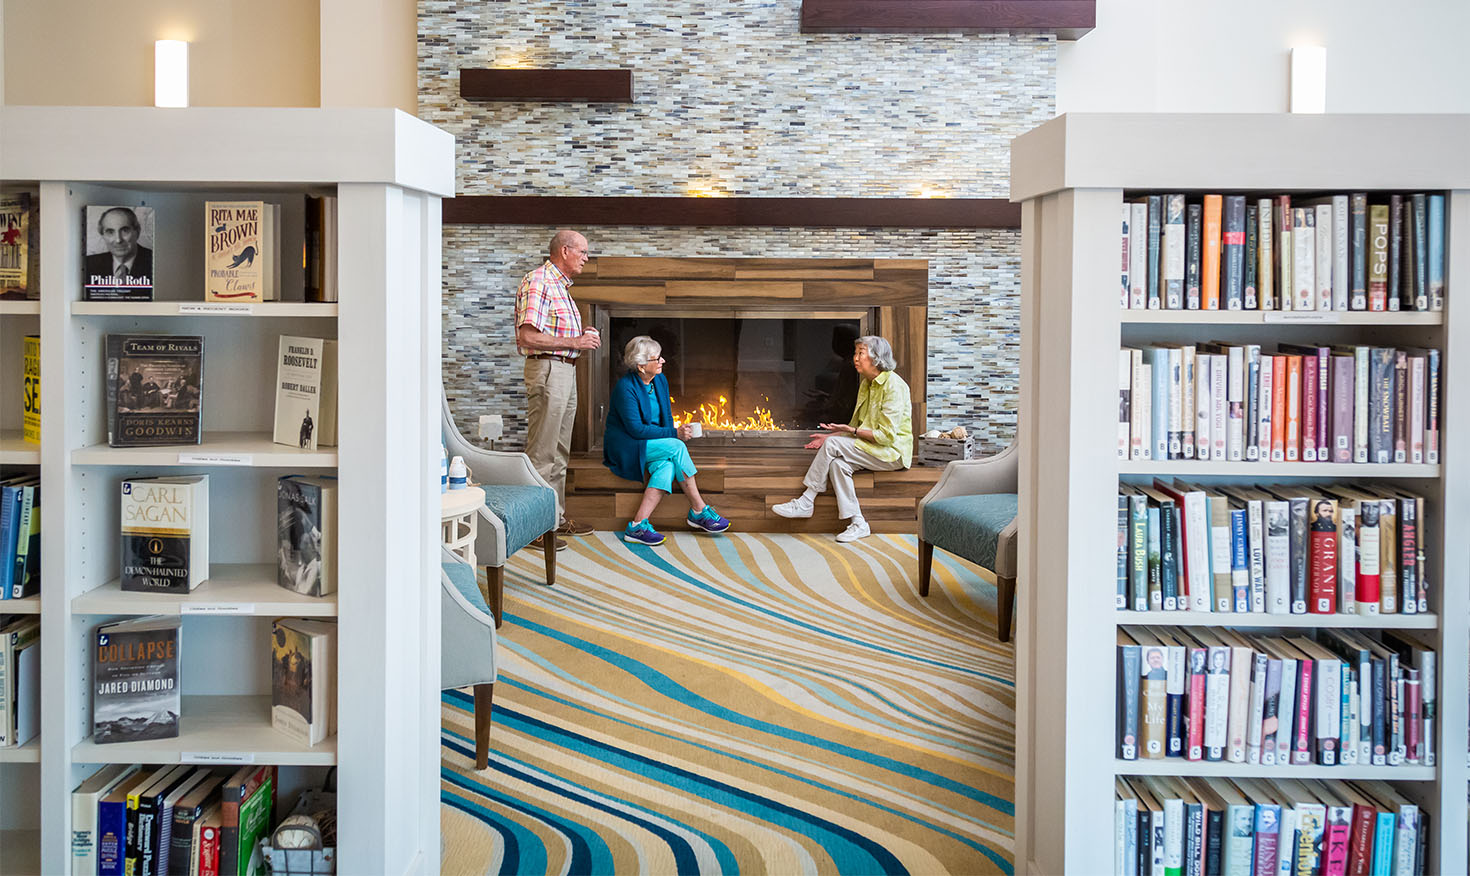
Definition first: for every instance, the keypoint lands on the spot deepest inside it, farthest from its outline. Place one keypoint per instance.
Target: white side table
(459, 515)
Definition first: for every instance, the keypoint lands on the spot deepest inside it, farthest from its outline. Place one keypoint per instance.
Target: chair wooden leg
(1005, 598)
(484, 701)
(926, 560)
(496, 597)
(550, 540)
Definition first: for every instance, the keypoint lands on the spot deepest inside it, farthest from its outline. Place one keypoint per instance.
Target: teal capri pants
(667, 460)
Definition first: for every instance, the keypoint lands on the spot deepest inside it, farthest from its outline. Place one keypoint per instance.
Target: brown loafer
(571, 527)
(540, 543)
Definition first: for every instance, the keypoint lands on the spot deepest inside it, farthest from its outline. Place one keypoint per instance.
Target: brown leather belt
(567, 359)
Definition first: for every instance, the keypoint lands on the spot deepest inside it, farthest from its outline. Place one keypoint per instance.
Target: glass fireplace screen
(780, 372)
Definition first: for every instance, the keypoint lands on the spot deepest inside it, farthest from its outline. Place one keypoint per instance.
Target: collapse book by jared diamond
(135, 673)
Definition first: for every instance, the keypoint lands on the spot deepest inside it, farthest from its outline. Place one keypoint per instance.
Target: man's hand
(588, 340)
(817, 442)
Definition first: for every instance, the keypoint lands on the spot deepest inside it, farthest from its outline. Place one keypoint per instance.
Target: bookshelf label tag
(1301, 316)
(229, 308)
(221, 757)
(217, 608)
(216, 458)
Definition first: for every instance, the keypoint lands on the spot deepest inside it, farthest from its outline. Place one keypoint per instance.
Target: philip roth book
(304, 679)
(306, 392)
(31, 392)
(117, 264)
(135, 677)
(165, 534)
(154, 388)
(241, 246)
(306, 534)
(18, 256)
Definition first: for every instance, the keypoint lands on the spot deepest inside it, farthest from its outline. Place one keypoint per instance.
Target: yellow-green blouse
(883, 406)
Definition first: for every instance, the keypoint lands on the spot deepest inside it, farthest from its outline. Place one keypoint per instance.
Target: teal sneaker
(708, 520)
(642, 533)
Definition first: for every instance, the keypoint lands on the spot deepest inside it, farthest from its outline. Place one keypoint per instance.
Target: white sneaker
(798, 507)
(854, 531)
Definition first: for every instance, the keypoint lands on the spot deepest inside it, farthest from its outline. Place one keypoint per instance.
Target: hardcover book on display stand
(118, 260)
(304, 679)
(306, 393)
(165, 534)
(242, 244)
(19, 262)
(135, 674)
(31, 392)
(155, 386)
(307, 534)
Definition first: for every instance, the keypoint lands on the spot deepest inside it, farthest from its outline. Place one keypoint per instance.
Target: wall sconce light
(171, 73)
(1309, 79)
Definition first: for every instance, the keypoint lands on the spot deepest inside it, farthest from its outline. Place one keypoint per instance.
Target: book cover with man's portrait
(117, 260)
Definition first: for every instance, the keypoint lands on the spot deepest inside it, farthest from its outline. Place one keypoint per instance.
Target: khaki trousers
(836, 460)
(551, 401)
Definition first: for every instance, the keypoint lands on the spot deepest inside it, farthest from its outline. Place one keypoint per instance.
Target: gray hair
(880, 350)
(640, 351)
(126, 211)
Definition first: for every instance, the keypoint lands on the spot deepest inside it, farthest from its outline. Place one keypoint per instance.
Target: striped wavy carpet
(742, 704)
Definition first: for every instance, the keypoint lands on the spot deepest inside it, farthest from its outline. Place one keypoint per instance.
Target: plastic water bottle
(443, 467)
(458, 474)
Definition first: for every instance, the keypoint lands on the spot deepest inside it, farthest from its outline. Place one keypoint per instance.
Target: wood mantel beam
(1069, 19)
(764, 212)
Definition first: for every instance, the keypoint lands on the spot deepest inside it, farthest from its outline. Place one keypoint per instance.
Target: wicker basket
(941, 451)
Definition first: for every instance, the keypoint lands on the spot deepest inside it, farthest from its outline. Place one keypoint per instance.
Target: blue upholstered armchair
(467, 645)
(971, 512)
(519, 507)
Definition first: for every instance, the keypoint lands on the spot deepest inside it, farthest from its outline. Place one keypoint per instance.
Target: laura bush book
(136, 676)
(306, 533)
(165, 534)
(304, 679)
(154, 389)
(118, 262)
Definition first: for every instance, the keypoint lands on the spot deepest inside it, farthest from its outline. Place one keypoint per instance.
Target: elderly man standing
(879, 437)
(549, 334)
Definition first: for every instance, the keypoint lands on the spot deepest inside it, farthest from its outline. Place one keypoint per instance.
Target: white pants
(836, 460)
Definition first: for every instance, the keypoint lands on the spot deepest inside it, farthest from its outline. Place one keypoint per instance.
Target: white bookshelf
(389, 172)
(1070, 176)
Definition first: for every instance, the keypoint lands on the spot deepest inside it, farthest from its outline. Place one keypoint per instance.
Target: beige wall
(369, 53)
(89, 52)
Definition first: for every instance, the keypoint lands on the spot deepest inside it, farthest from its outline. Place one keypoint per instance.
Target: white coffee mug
(696, 430)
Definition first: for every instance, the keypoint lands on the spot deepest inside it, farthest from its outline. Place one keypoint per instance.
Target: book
(165, 534)
(320, 248)
(206, 842)
(19, 258)
(112, 816)
(241, 251)
(85, 800)
(247, 800)
(186, 813)
(155, 386)
(304, 679)
(31, 390)
(306, 534)
(135, 674)
(138, 829)
(306, 392)
(117, 260)
(155, 821)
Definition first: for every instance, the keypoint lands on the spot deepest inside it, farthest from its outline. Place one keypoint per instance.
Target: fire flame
(716, 415)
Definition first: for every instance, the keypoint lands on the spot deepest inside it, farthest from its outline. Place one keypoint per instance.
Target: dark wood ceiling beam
(591, 86)
(764, 212)
(1069, 19)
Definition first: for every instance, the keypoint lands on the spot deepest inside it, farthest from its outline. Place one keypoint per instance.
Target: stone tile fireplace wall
(730, 98)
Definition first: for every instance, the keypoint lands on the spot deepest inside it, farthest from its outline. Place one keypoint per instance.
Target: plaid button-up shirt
(544, 303)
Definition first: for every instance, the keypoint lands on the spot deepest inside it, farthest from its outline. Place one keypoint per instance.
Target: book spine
(1286, 732)
(1293, 408)
(1304, 256)
(1396, 297)
(1188, 398)
(1219, 407)
(1175, 375)
(1358, 229)
(1329, 709)
(1285, 255)
(1217, 704)
(111, 838)
(1125, 553)
(1265, 256)
(1138, 541)
(1138, 255)
(1413, 715)
(1249, 299)
(1252, 401)
(1360, 845)
(1421, 251)
(1168, 558)
(1342, 409)
(1233, 253)
(1174, 687)
(1159, 404)
(1155, 560)
(1278, 557)
(1203, 369)
(1431, 412)
(1125, 391)
(1155, 209)
(1267, 839)
(1129, 664)
(1127, 285)
(1416, 409)
(1429, 697)
(1253, 739)
(1324, 403)
(1323, 267)
(1210, 253)
(1194, 231)
(1400, 406)
(1380, 406)
(1347, 559)
(1300, 554)
(1341, 275)
(1309, 409)
(1361, 391)
(1219, 514)
(1408, 556)
(1265, 408)
(1195, 704)
(1270, 713)
(1435, 256)
(1323, 586)
(1368, 573)
(1408, 259)
(1174, 255)
(1301, 749)
(1256, 532)
(1378, 257)
(1239, 570)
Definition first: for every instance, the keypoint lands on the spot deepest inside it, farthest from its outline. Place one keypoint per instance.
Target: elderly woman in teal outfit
(641, 443)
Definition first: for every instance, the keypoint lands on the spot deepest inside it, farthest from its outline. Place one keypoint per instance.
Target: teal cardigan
(630, 425)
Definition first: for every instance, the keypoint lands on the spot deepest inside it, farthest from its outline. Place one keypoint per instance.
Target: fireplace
(757, 350)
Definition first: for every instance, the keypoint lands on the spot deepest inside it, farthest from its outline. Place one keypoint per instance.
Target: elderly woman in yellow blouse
(880, 437)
